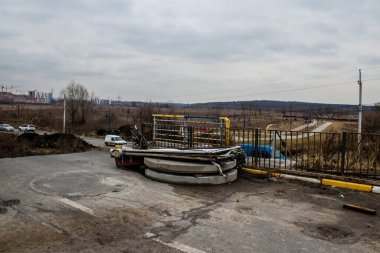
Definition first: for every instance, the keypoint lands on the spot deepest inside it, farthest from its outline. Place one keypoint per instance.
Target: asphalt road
(82, 203)
(97, 142)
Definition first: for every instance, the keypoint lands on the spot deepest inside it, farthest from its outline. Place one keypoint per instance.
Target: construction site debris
(215, 165)
(359, 209)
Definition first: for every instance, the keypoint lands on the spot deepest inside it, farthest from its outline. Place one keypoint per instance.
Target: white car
(27, 128)
(6, 128)
(112, 140)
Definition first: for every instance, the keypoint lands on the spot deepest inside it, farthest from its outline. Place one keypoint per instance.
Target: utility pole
(360, 109)
(108, 115)
(64, 113)
(109, 119)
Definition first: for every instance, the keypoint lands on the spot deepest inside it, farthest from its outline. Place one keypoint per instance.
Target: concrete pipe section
(198, 166)
(230, 176)
(187, 167)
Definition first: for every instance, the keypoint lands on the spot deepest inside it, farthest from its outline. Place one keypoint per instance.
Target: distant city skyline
(32, 96)
(194, 51)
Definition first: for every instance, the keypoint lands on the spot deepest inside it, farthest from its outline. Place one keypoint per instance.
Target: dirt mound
(34, 144)
(27, 137)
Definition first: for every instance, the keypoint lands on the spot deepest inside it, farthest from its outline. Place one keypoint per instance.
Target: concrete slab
(192, 180)
(186, 167)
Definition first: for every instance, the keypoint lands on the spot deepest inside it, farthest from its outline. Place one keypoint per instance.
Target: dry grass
(50, 117)
(340, 127)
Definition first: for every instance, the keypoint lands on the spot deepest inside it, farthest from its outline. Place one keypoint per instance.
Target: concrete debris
(184, 165)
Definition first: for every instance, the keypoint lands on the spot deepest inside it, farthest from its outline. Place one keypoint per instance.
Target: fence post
(184, 129)
(142, 129)
(154, 127)
(256, 150)
(343, 151)
(190, 136)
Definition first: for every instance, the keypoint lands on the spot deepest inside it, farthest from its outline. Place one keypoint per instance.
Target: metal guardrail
(330, 153)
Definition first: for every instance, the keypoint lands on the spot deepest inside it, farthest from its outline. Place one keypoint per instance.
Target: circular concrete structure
(70, 184)
(174, 166)
(194, 180)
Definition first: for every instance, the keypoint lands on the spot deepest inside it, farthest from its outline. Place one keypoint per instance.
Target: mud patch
(121, 230)
(329, 232)
(279, 193)
(245, 208)
(11, 202)
(7, 203)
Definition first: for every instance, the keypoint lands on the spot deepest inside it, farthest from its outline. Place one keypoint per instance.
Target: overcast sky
(194, 51)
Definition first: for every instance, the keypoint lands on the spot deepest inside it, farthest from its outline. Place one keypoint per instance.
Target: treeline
(270, 105)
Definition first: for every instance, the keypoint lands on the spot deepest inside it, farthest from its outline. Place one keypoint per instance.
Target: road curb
(261, 172)
(323, 181)
(347, 185)
(376, 189)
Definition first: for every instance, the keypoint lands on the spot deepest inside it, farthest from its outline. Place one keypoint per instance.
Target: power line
(371, 67)
(299, 89)
(262, 85)
(266, 84)
(292, 90)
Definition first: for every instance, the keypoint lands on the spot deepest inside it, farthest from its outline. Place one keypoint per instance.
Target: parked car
(112, 140)
(27, 128)
(6, 127)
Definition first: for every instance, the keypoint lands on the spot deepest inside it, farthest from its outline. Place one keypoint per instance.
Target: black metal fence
(344, 154)
(172, 135)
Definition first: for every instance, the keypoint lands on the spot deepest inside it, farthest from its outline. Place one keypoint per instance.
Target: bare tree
(78, 102)
(144, 113)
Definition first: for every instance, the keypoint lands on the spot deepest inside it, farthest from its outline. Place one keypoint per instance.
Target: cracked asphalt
(82, 203)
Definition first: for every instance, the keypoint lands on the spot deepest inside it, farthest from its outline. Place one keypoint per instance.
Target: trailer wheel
(119, 162)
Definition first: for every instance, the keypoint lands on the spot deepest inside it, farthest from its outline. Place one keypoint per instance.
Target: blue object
(261, 151)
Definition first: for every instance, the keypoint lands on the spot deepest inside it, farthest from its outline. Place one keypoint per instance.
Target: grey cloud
(325, 29)
(317, 5)
(144, 46)
(217, 46)
(371, 59)
(27, 64)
